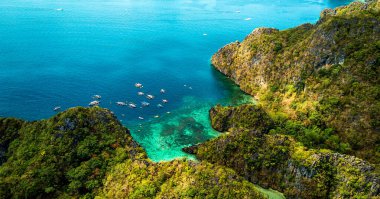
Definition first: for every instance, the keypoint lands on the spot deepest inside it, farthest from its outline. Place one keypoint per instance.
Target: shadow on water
(336, 3)
(232, 93)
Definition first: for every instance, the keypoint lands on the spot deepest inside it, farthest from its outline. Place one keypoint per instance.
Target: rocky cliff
(324, 75)
(317, 116)
(87, 153)
(280, 162)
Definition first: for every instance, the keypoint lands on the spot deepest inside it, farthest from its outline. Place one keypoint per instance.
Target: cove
(62, 53)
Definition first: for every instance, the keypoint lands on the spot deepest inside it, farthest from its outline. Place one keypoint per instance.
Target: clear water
(52, 57)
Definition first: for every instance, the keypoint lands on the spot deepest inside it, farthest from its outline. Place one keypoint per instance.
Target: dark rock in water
(190, 149)
(244, 116)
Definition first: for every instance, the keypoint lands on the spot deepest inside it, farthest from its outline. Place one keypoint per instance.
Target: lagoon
(62, 53)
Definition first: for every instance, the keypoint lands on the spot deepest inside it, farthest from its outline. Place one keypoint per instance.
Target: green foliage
(330, 69)
(279, 162)
(175, 179)
(244, 116)
(87, 153)
(9, 131)
(69, 153)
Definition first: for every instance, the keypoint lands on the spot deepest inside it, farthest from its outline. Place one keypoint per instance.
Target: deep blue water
(51, 57)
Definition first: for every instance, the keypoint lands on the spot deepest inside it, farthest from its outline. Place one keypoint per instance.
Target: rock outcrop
(325, 74)
(279, 162)
(318, 109)
(87, 153)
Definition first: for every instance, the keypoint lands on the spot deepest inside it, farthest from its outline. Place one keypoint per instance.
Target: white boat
(156, 116)
(149, 96)
(145, 104)
(247, 19)
(162, 91)
(59, 9)
(165, 101)
(160, 106)
(57, 108)
(94, 103)
(140, 93)
(191, 88)
(138, 85)
(97, 97)
(121, 103)
(141, 118)
(132, 105)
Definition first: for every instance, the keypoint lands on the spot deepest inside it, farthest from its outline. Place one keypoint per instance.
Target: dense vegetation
(86, 152)
(318, 98)
(319, 83)
(317, 88)
(176, 179)
(67, 154)
(281, 163)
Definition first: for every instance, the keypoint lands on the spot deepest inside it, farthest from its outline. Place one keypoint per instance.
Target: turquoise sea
(61, 53)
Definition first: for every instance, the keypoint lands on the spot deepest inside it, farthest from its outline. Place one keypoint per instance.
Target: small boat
(57, 108)
(168, 112)
(59, 9)
(145, 104)
(94, 103)
(165, 101)
(141, 118)
(138, 85)
(160, 106)
(132, 105)
(162, 91)
(191, 88)
(185, 85)
(149, 96)
(97, 97)
(204, 34)
(121, 103)
(247, 19)
(156, 116)
(140, 93)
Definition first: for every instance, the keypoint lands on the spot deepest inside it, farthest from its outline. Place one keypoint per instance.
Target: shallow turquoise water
(61, 53)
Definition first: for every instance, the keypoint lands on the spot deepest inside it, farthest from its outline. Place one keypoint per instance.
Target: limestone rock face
(245, 116)
(330, 69)
(315, 130)
(281, 163)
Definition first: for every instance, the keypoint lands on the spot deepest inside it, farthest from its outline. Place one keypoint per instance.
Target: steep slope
(279, 162)
(9, 128)
(69, 153)
(85, 152)
(176, 179)
(323, 76)
(317, 87)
